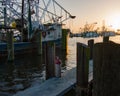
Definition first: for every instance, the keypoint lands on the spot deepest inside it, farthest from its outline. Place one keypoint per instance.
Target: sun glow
(114, 21)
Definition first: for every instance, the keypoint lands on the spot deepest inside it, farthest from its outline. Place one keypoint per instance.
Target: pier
(69, 80)
(55, 86)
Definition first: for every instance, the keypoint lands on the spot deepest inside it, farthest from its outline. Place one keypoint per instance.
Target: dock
(52, 87)
(55, 86)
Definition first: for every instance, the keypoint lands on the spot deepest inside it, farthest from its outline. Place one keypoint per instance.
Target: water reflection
(20, 74)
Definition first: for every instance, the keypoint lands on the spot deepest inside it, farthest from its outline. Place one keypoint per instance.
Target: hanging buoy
(44, 34)
(13, 24)
(57, 67)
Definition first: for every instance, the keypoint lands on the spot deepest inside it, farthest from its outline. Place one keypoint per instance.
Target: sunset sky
(91, 11)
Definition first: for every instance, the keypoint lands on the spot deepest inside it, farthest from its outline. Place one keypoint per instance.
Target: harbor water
(28, 70)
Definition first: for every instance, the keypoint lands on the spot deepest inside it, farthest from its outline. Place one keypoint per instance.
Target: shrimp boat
(53, 35)
(25, 19)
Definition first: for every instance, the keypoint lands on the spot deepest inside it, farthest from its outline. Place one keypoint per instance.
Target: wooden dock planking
(55, 86)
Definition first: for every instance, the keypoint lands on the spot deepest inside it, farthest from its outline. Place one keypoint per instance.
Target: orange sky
(92, 11)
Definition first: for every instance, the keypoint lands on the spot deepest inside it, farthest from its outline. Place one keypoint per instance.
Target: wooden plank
(53, 86)
(10, 46)
(50, 59)
(106, 69)
(82, 65)
(82, 69)
(91, 44)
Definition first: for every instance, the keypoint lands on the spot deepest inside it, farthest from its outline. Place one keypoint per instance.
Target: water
(29, 70)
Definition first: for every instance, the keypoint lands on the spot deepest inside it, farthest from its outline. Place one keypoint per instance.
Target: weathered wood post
(39, 41)
(82, 69)
(50, 59)
(91, 44)
(63, 58)
(106, 69)
(64, 39)
(10, 45)
(105, 38)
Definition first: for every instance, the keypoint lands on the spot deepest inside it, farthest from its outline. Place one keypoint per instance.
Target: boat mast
(29, 20)
(22, 21)
(5, 14)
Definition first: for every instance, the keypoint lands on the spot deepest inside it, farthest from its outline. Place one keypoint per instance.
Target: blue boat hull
(23, 47)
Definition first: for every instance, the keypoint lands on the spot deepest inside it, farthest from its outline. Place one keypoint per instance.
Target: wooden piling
(105, 38)
(39, 41)
(91, 44)
(82, 69)
(64, 39)
(63, 57)
(10, 45)
(50, 59)
(106, 69)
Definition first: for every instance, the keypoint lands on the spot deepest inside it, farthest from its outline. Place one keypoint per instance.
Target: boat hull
(24, 47)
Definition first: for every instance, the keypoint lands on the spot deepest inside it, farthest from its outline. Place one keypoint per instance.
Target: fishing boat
(26, 25)
(54, 34)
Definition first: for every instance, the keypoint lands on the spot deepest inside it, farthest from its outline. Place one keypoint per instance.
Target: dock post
(63, 57)
(39, 40)
(106, 69)
(10, 45)
(105, 38)
(91, 44)
(50, 59)
(82, 69)
(64, 39)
